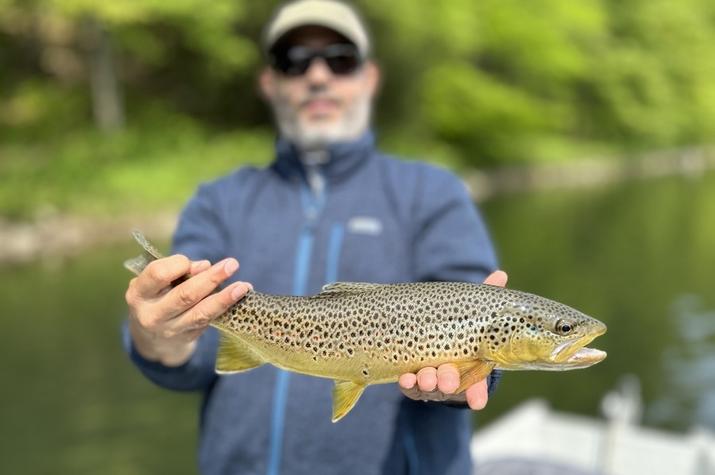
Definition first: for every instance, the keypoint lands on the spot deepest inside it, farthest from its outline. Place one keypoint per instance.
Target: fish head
(536, 333)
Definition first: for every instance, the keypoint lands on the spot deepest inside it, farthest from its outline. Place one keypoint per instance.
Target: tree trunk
(106, 97)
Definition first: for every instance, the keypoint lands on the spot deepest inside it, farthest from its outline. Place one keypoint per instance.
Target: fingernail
(239, 291)
(230, 266)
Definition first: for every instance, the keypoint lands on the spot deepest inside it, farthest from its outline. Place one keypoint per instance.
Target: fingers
(202, 314)
(444, 379)
(427, 379)
(191, 292)
(477, 395)
(407, 380)
(498, 278)
(159, 274)
(198, 267)
(447, 378)
(440, 384)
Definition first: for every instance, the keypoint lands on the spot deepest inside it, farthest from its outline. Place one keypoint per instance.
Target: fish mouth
(570, 358)
(574, 354)
(584, 358)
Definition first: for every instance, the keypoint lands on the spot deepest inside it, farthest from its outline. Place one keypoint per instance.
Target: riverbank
(52, 234)
(590, 172)
(66, 236)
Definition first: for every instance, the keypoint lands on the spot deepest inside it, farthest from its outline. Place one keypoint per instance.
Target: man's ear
(373, 77)
(267, 83)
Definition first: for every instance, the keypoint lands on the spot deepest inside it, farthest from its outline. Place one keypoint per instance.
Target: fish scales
(371, 334)
(361, 333)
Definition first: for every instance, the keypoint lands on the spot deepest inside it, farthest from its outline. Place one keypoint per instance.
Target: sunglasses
(342, 59)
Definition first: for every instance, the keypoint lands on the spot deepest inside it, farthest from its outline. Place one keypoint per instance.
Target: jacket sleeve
(451, 241)
(199, 235)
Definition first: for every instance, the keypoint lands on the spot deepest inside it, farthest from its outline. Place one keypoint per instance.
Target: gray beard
(311, 138)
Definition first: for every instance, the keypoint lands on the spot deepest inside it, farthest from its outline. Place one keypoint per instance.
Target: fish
(359, 333)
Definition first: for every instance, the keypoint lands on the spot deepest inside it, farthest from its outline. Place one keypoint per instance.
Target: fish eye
(564, 327)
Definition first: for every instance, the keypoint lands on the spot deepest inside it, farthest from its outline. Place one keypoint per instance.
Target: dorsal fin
(349, 288)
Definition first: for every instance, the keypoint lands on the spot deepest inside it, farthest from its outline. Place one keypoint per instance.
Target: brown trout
(360, 333)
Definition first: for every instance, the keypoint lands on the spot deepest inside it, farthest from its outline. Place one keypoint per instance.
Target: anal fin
(235, 356)
(471, 372)
(345, 395)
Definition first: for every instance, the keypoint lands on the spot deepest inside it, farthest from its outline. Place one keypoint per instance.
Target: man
(330, 208)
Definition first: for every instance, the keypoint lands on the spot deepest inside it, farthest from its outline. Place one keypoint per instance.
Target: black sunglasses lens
(342, 64)
(296, 67)
(342, 59)
(292, 61)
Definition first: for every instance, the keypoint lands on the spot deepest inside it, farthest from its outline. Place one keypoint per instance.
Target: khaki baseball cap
(331, 14)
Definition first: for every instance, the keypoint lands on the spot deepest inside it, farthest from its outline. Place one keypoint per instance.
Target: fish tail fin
(151, 253)
(234, 356)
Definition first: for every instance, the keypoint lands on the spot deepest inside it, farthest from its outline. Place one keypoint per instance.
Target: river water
(639, 256)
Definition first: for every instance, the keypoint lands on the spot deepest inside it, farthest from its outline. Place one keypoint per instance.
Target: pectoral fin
(234, 356)
(471, 372)
(345, 395)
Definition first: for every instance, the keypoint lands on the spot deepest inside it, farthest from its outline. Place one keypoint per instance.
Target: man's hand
(165, 322)
(439, 384)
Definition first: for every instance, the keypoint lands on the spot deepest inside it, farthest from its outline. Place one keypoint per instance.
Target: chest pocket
(371, 250)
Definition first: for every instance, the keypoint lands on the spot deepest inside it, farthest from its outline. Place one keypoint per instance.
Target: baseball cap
(331, 14)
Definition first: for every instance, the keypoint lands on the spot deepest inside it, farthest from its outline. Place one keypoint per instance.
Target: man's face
(320, 107)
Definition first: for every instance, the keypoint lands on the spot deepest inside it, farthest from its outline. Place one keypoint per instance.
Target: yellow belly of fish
(241, 353)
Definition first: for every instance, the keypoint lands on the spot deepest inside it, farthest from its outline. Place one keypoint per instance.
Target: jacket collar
(344, 158)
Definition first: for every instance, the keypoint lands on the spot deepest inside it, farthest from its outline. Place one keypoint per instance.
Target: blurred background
(585, 130)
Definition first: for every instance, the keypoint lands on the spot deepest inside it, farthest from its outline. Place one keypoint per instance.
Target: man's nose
(318, 72)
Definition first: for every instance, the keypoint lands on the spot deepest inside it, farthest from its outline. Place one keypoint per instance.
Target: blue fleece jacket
(377, 219)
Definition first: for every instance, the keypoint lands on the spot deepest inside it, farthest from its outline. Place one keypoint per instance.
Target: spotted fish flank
(360, 334)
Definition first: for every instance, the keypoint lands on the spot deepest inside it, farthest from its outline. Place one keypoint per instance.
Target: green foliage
(507, 80)
(477, 112)
(154, 164)
(207, 26)
(476, 83)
